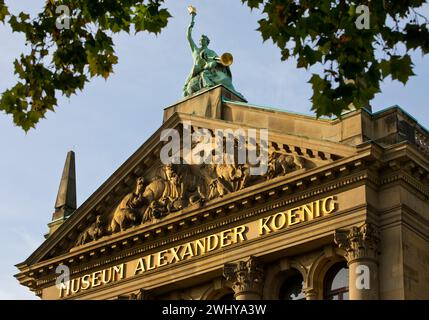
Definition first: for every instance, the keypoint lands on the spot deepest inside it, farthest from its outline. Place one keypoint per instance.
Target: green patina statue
(209, 69)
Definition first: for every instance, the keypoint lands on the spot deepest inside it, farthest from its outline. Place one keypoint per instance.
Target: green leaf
(253, 4)
(401, 68)
(4, 12)
(315, 33)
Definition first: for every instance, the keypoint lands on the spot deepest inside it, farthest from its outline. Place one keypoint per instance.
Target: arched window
(291, 288)
(337, 282)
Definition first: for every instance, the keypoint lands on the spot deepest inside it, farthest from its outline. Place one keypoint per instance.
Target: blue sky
(110, 119)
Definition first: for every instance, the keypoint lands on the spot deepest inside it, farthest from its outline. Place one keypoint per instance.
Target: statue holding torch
(208, 69)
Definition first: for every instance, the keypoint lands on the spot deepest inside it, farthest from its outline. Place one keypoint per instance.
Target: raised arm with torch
(209, 69)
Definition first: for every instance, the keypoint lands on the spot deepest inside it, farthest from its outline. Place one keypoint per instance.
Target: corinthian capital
(246, 276)
(359, 242)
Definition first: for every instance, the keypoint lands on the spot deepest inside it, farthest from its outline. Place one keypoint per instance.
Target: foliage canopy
(354, 61)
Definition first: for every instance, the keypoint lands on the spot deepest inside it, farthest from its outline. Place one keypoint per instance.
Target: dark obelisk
(65, 204)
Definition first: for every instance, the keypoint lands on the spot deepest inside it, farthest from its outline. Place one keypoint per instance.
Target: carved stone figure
(127, 212)
(242, 175)
(164, 195)
(231, 177)
(216, 189)
(198, 182)
(176, 188)
(156, 209)
(281, 164)
(92, 233)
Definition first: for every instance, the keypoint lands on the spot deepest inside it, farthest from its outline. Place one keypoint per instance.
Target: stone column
(361, 252)
(246, 277)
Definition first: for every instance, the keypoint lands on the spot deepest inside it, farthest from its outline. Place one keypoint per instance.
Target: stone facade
(352, 191)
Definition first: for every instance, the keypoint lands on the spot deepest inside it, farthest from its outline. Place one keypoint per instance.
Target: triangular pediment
(145, 191)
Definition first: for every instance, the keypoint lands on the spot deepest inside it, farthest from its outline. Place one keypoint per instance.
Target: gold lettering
(151, 262)
(238, 234)
(201, 245)
(212, 245)
(162, 259)
(225, 239)
(308, 212)
(175, 257)
(73, 288)
(328, 205)
(140, 266)
(85, 282)
(263, 226)
(105, 279)
(95, 278)
(316, 208)
(188, 251)
(64, 286)
(119, 270)
(292, 216)
(278, 221)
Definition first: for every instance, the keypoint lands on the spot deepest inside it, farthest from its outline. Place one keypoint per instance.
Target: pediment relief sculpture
(93, 232)
(281, 164)
(175, 187)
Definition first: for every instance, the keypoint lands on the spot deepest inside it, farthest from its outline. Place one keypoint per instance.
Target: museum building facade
(341, 212)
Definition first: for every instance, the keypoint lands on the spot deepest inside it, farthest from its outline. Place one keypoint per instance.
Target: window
(337, 282)
(291, 288)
